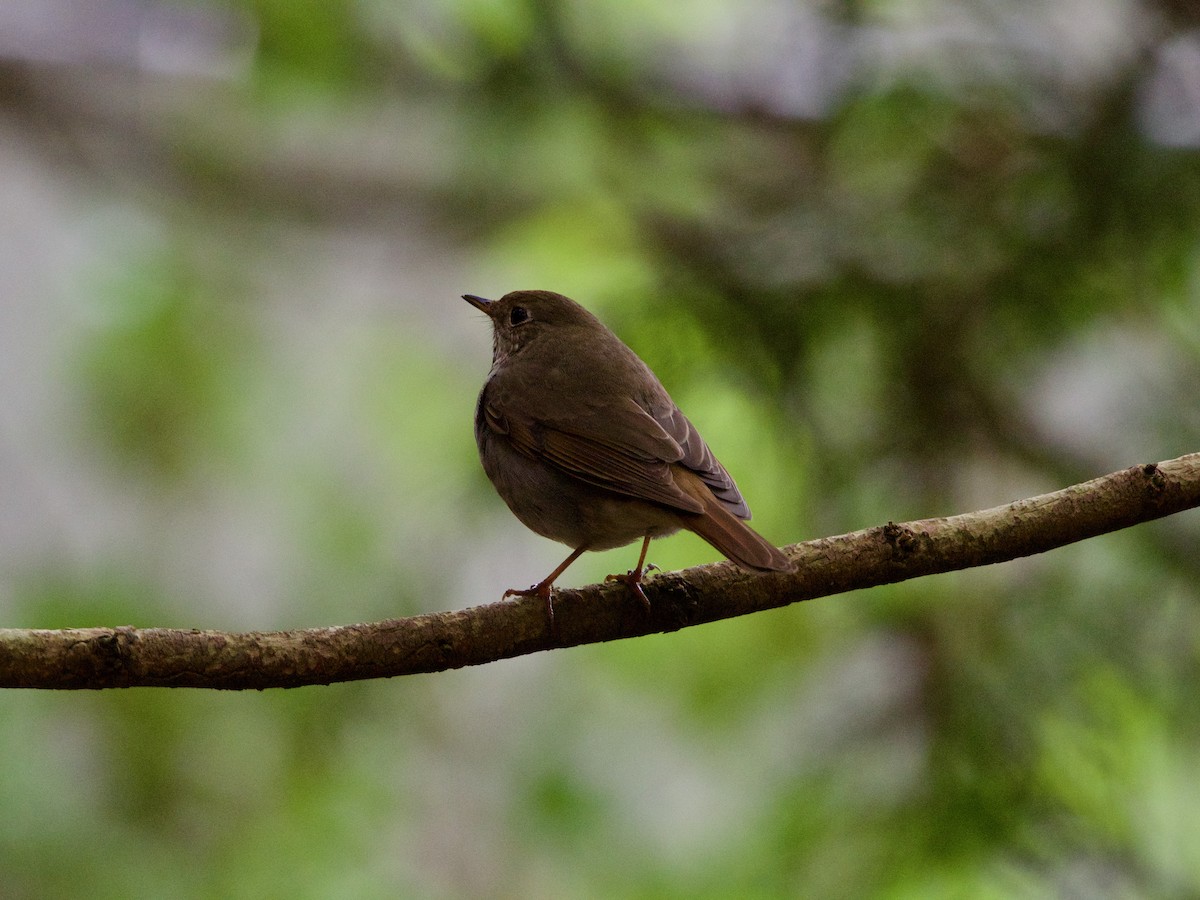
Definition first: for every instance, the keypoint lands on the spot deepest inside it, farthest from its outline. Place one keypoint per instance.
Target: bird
(587, 448)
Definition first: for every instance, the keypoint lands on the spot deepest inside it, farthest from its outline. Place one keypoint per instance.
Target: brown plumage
(587, 448)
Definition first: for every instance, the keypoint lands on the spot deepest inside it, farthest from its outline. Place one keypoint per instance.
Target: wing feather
(616, 442)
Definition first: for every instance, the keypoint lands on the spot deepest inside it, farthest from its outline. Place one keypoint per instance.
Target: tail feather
(729, 534)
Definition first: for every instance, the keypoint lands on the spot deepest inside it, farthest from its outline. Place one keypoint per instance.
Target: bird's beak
(480, 303)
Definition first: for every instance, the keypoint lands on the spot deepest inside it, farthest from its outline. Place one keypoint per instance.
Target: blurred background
(895, 260)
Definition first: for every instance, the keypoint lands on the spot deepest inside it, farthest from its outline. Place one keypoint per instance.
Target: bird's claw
(634, 581)
(542, 590)
(534, 590)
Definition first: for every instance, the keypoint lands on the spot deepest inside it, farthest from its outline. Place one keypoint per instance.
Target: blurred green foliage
(965, 273)
(157, 368)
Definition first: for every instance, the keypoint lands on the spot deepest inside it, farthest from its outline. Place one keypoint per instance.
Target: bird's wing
(695, 454)
(615, 445)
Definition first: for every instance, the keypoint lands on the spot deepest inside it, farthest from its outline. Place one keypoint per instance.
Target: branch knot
(902, 539)
(1156, 482)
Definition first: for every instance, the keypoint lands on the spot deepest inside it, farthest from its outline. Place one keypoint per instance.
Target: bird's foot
(541, 589)
(634, 580)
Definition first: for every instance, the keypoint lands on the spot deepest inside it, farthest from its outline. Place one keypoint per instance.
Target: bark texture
(94, 658)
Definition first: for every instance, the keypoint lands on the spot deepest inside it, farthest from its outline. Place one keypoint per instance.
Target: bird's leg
(542, 588)
(634, 578)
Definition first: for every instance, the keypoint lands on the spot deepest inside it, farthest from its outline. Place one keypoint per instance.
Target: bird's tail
(729, 534)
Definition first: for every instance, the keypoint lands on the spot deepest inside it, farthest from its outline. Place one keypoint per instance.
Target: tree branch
(162, 657)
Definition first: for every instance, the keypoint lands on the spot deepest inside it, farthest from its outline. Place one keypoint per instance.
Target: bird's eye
(518, 315)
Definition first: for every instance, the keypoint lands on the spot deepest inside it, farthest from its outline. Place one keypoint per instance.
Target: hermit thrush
(585, 446)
